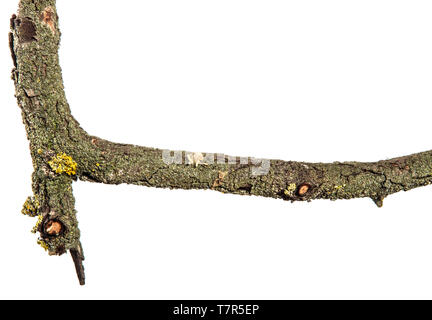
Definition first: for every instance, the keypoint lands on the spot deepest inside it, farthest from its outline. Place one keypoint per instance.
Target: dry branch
(63, 152)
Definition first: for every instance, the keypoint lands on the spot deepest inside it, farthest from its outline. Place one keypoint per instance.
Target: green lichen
(63, 163)
(30, 207)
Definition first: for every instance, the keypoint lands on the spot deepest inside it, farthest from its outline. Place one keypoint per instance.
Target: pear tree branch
(63, 152)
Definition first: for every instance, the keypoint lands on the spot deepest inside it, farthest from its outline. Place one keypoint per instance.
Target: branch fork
(63, 152)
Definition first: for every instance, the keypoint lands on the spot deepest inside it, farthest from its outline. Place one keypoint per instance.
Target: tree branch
(62, 151)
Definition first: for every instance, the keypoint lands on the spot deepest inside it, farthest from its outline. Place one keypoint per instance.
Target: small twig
(78, 258)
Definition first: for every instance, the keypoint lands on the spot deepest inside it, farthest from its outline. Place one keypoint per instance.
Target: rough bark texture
(63, 152)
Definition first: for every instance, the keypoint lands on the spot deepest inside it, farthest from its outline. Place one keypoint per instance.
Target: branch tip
(78, 259)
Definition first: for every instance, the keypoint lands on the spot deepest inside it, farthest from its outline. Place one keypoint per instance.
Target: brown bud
(53, 228)
(303, 189)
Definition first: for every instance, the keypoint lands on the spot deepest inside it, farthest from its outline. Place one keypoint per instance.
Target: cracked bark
(52, 131)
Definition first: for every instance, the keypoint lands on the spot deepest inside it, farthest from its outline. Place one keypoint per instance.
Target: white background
(293, 80)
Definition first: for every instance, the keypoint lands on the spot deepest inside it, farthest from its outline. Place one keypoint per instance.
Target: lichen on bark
(63, 152)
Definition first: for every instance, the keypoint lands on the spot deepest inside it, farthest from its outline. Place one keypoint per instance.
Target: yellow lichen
(63, 163)
(30, 207)
(39, 151)
(38, 223)
(289, 191)
(43, 244)
(339, 187)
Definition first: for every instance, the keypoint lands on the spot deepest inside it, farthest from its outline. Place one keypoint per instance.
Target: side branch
(111, 163)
